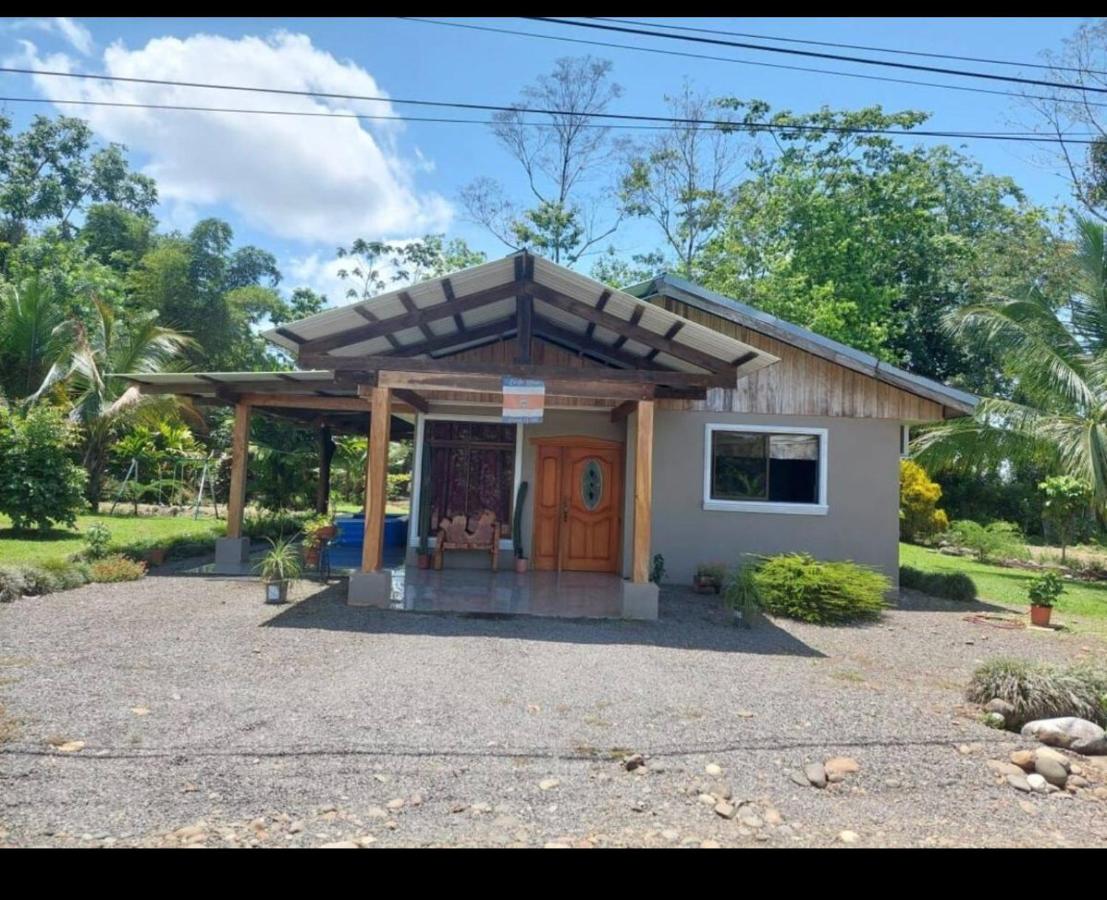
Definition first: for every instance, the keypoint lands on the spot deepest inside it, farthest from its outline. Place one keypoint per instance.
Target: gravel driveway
(207, 717)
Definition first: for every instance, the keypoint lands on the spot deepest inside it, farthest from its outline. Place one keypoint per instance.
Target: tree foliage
(40, 485)
(919, 516)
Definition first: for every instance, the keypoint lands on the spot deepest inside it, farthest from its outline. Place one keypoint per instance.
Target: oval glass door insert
(591, 484)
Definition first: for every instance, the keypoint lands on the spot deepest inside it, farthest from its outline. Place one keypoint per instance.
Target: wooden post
(240, 454)
(376, 479)
(643, 492)
(323, 489)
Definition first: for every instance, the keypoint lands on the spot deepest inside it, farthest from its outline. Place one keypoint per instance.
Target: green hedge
(800, 587)
(951, 585)
(39, 580)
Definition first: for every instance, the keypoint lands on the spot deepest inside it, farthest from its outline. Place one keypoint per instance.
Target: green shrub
(40, 582)
(40, 485)
(741, 593)
(274, 525)
(1066, 500)
(951, 585)
(997, 540)
(97, 541)
(919, 516)
(1039, 691)
(13, 584)
(116, 567)
(68, 575)
(826, 593)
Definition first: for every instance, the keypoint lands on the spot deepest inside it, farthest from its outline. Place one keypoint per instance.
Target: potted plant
(279, 567)
(741, 594)
(517, 529)
(154, 555)
(1043, 592)
(709, 578)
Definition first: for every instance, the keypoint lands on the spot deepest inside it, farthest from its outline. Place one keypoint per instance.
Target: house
(676, 421)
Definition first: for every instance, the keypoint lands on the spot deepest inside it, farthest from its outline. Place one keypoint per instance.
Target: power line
(869, 47)
(607, 45)
(862, 60)
(774, 128)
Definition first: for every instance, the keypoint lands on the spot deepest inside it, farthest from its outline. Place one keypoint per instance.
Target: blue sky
(302, 186)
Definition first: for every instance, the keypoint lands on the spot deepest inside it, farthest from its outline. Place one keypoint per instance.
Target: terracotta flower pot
(327, 532)
(1039, 616)
(311, 556)
(520, 565)
(155, 556)
(423, 560)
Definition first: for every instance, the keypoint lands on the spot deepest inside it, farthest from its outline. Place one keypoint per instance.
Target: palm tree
(30, 313)
(1055, 356)
(99, 402)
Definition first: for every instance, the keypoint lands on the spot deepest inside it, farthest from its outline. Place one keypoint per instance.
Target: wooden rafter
(635, 318)
(669, 335)
(411, 319)
(600, 304)
(544, 328)
(409, 305)
(369, 316)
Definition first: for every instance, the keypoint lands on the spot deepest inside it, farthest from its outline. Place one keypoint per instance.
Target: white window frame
(766, 506)
(421, 420)
(904, 441)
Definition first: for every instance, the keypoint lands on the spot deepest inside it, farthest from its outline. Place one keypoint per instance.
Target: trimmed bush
(951, 585)
(13, 584)
(798, 586)
(97, 541)
(1039, 691)
(994, 541)
(116, 567)
(45, 578)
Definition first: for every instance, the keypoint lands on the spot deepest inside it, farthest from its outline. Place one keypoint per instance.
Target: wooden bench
(455, 534)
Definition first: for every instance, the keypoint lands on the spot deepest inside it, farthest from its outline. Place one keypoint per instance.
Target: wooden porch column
(376, 478)
(240, 453)
(326, 452)
(643, 493)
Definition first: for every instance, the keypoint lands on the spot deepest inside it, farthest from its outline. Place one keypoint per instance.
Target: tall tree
(51, 171)
(553, 135)
(372, 267)
(1054, 350)
(682, 179)
(871, 242)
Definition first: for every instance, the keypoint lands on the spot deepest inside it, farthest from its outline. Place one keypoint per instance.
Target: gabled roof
(442, 316)
(743, 314)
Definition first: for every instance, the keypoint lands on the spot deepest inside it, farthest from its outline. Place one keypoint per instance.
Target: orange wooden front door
(578, 505)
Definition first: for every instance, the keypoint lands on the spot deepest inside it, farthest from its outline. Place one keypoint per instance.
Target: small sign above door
(524, 400)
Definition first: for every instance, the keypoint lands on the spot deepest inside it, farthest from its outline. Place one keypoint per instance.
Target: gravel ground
(207, 717)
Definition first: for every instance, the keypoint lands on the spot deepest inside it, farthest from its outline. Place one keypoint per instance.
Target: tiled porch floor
(566, 595)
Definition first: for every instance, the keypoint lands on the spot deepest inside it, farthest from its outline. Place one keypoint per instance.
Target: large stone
(1019, 783)
(1002, 707)
(1069, 732)
(1055, 755)
(841, 766)
(1005, 768)
(1037, 782)
(816, 774)
(1024, 759)
(1051, 770)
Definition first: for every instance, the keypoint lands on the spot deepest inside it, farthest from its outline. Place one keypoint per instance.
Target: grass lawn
(33, 547)
(1083, 605)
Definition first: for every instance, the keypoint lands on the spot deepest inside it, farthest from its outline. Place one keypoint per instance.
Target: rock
(816, 774)
(721, 790)
(1100, 793)
(548, 784)
(1002, 707)
(750, 819)
(772, 816)
(744, 714)
(1024, 759)
(707, 799)
(799, 778)
(140, 710)
(1037, 782)
(709, 845)
(1051, 770)
(634, 761)
(295, 827)
(1077, 781)
(1005, 768)
(835, 777)
(1056, 755)
(398, 803)
(366, 840)
(341, 845)
(848, 837)
(994, 720)
(1020, 783)
(724, 809)
(713, 770)
(1069, 732)
(70, 746)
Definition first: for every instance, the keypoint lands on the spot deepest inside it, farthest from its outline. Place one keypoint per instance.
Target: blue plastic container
(351, 530)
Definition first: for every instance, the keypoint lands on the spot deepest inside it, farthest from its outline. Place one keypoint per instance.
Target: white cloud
(317, 180)
(72, 32)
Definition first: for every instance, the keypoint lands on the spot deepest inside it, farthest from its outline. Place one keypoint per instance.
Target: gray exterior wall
(862, 520)
(861, 523)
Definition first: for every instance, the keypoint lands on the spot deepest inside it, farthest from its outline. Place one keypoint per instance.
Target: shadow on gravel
(914, 601)
(686, 621)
